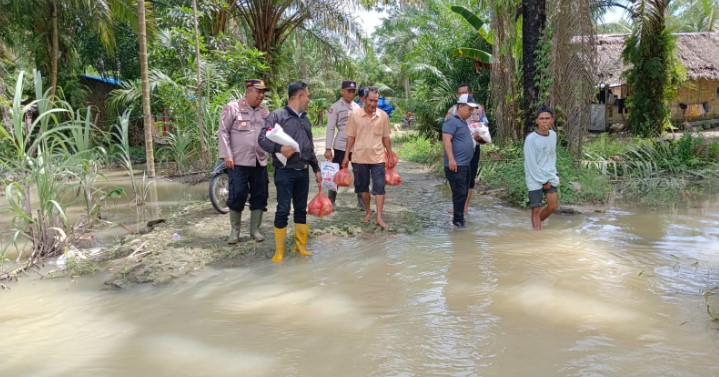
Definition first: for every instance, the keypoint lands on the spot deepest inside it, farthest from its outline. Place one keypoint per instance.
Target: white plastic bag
(329, 170)
(482, 130)
(278, 135)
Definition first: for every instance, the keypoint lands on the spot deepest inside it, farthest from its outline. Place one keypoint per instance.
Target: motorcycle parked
(219, 187)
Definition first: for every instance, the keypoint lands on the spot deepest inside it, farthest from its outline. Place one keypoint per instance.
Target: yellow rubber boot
(301, 232)
(280, 235)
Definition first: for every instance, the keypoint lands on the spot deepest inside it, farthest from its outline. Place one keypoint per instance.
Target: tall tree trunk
(573, 84)
(204, 152)
(54, 50)
(146, 110)
(535, 16)
(504, 88)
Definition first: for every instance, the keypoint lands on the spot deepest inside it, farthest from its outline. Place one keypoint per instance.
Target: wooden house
(697, 100)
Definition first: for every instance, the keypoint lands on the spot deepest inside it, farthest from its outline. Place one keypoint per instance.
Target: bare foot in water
(366, 217)
(381, 223)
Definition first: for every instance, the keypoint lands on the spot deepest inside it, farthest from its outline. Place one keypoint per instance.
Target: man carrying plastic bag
(292, 179)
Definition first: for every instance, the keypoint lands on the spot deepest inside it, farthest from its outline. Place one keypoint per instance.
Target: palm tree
(572, 83)
(696, 15)
(653, 74)
(204, 152)
(44, 22)
(144, 71)
(271, 22)
(505, 88)
(534, 19)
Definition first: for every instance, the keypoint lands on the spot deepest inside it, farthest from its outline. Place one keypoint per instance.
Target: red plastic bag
(391, 177)
(393, 159)
(343, 177)
(320, 205)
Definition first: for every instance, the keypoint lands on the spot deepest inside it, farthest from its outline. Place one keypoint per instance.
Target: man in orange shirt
(368, 137)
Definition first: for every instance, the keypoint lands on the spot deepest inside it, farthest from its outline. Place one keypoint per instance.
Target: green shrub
(714, 152)
(606, 146)
(419, 149)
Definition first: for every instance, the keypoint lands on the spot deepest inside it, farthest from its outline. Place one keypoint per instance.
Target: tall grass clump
(141, 187)
(38, 153)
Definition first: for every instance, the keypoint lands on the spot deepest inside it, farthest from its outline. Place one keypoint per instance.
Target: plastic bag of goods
(482, 130)
(320, 205)
(343, 178)
(391, 177)
(329, 170)
(393, 159)
(278, 135)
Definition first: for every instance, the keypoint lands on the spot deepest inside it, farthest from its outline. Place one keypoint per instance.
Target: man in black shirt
(292, 179)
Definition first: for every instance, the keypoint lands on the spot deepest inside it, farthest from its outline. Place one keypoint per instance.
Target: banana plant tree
(481, 27)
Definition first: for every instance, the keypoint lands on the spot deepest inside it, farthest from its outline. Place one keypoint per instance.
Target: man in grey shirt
(540, 167)
(458, 152)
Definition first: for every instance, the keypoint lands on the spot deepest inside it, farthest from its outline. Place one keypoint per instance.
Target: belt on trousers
(305, 167)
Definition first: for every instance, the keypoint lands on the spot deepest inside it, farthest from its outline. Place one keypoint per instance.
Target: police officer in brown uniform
(335, 144)
(240, 125)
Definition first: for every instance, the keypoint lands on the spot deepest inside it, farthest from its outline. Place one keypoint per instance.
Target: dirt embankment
(196, 235)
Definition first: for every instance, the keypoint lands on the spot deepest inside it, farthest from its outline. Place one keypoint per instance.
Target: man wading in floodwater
(540, 167)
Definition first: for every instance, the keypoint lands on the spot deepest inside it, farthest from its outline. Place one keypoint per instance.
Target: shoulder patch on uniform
(330, 110)
(244, 102)
(265, 112)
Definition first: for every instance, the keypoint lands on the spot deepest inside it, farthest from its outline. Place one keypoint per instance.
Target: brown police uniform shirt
(338, 114)
(240, 126)
(368, 131)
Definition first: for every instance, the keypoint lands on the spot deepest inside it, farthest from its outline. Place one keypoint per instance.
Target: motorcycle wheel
(219, 191)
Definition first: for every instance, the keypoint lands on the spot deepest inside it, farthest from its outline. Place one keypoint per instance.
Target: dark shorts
(536, 196)
(362, 175)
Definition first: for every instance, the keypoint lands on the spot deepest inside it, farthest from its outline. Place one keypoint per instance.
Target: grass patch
(411, 146)
(657, 172)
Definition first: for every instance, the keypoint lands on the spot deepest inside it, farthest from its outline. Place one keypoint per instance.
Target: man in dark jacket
(292, 179)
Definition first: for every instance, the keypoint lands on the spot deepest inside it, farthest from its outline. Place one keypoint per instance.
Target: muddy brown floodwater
(617, 293)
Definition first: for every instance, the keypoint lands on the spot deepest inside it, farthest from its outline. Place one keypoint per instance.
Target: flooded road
(612, 294)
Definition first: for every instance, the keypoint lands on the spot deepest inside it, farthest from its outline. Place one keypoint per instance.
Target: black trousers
(293, 187)
(248, 181)
(459, 183)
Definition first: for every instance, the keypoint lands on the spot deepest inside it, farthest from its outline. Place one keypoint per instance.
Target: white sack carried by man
(278, 135)
(482, 130)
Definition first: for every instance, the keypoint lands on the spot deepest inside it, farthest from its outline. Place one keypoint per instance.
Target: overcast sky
(614, 15)
(370, 20)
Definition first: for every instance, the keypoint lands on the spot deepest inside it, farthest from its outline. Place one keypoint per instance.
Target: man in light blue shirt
(540, 167)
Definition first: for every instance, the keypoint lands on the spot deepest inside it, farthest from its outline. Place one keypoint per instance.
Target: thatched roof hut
(698, 53)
